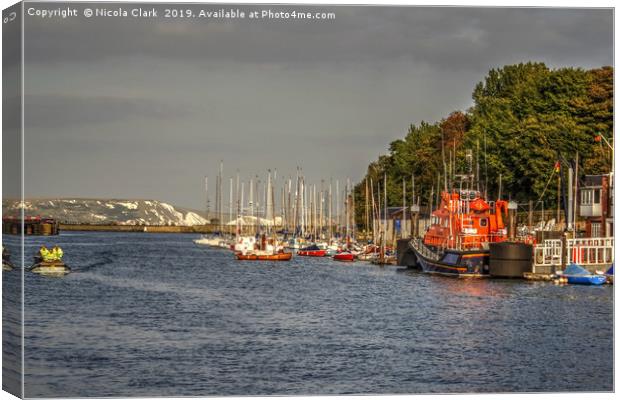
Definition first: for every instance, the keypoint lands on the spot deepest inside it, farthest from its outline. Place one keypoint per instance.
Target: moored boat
(368, 256)
(244, 244)
(312, 251)
(264, 256)
(344, 256)
(264, 249)
(213, 241)
(578, 275)
(457, 243)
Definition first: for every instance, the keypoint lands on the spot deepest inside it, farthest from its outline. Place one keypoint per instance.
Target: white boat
(296, 243)
(50, 268)
(244, 244)
(213, 241)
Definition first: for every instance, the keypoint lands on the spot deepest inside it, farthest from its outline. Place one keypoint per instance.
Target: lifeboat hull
(264, 257)
(455, 263)
(344, 257)
(312, 253)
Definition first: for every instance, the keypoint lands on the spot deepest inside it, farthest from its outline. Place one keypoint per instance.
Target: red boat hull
(312, 253)
(266, 257)
(344, 257)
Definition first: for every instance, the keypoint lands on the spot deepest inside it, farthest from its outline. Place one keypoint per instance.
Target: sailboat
(214, 240)
(266, 249)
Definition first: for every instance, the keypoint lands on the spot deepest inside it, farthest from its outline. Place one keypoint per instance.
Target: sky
(146, 108)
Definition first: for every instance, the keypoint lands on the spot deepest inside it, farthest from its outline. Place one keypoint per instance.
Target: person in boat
(6, 256)
(57, 253)
(45, 254)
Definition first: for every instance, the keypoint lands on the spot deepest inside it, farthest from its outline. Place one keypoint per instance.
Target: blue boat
(578, 275)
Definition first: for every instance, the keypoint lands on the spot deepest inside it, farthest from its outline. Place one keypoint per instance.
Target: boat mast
(296, 207)
(443, 160)
(301, 207)
(337, 210)
(352, 214)
(347, 213)
(331, 222)
(237, 204)
(379, 219)
(230, 204)
(252, 204)
(207, 196)
(366, 221)
(430, 205)
(322, 210)
(290, 221)
(268, 204)
(240, 218)
(478, 165)
(284, 217)
(576, 193)
(273, 209)
(385, 207)
(413, 231)
(221, 198)
(314, 213)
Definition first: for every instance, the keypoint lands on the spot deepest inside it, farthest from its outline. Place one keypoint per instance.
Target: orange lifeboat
(466, 221)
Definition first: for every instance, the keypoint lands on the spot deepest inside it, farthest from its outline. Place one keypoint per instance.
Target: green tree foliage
(524, 116)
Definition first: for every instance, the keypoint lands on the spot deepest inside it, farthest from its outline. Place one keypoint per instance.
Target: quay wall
(140, 228)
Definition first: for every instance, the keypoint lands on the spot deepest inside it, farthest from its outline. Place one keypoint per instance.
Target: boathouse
(397, 223)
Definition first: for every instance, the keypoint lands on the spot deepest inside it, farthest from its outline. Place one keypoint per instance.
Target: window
(483, 222)
(597, 196)
(596, 229)
(450, 258)
(586, 197)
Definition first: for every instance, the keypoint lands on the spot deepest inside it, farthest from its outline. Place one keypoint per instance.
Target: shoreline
(139, 228)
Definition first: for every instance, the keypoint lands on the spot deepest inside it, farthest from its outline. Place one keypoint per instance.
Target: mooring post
(564, 250)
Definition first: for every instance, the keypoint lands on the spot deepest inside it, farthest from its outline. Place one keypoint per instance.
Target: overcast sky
(130, 108)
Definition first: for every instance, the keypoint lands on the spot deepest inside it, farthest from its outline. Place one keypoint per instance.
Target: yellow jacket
(57, 253)
(46, 255)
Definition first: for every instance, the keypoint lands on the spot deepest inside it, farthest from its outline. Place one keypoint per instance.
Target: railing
(422, 249)
(583, 251)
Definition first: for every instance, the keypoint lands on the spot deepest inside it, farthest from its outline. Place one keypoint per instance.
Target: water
(156, 315)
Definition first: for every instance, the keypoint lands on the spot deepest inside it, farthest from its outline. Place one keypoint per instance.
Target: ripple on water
(156, 315)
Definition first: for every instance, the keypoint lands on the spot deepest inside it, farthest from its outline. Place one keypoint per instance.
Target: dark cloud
(446, 38)
(146, 108)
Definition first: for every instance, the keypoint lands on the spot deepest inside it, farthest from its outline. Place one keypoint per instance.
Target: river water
(156, 315)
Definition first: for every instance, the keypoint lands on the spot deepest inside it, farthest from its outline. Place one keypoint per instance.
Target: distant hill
(106, 211)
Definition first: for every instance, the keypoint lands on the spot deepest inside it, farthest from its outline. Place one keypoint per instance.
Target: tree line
(525, 118)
